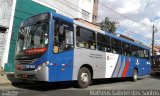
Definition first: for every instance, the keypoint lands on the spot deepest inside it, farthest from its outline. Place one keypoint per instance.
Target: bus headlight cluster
(43, 65)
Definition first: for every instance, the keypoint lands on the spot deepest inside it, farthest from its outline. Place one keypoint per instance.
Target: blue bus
(54, 48)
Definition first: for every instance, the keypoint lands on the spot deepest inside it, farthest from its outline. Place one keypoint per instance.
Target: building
(157, 50)
(131, 39)
(87, 23)
(6, 21)
(95, 11)
(84, 9)
(18, 10)
(126, 37)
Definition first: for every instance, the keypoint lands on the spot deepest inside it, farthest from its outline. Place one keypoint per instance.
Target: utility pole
(154, 30)
(153, 40)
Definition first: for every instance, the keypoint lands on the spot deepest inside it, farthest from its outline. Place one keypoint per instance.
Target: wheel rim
(135, 75)
(84, 78)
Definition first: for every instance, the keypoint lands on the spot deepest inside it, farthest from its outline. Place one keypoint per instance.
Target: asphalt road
(68, 88)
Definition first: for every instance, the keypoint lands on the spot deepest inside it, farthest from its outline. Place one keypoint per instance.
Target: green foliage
(109, 26)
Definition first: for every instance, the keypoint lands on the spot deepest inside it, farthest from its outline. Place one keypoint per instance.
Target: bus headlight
(42, 66)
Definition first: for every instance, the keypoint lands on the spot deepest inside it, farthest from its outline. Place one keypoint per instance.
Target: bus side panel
(113, 65)
(142, 65)
(96, 59)
(132, 64)
(62, 67)
(147, 67)
(123, 67)
(108, 65)
(52, 72)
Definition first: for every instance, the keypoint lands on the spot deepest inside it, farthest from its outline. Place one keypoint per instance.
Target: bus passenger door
(63, 50)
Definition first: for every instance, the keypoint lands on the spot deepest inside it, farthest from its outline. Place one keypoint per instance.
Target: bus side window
(85, 38)
(126, 49)
(63, 36)
(141, 53)
(116, 46)
(56, 37)
(134, 50)
(103, 43)
(146, 53)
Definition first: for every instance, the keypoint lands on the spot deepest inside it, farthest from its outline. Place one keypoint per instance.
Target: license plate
(24, 76)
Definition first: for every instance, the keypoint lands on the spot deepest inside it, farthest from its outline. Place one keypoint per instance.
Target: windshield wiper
(37, 25)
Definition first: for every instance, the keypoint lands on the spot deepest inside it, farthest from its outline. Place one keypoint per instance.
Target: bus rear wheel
(84, 78)
(135, 75)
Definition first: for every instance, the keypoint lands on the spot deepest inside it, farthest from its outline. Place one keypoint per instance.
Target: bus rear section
(108, 56)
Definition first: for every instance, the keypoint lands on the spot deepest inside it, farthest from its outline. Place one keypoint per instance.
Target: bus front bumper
(35, 75)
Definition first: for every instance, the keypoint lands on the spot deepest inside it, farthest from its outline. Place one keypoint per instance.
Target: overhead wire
(84, 14)
(113, 11)
(128, 17)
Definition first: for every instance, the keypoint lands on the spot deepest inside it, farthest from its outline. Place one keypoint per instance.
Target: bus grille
(26, 61)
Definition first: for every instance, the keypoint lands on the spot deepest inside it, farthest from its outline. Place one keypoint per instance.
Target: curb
(5, 84)
(6, 73)
(7, 78)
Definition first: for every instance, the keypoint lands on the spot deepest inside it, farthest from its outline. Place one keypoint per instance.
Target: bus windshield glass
(33, 37)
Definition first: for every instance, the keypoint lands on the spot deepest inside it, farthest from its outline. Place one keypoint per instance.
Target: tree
(109, 26)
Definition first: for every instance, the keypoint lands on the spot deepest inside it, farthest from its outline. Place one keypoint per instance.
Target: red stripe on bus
(126, 69)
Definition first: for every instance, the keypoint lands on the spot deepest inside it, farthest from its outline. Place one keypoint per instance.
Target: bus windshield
(33, 36)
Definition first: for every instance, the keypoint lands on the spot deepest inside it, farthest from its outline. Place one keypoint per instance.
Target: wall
(24, 9)
(71, 8)
(6, 17)
(5, 10)
(95, 11)
(87, 5)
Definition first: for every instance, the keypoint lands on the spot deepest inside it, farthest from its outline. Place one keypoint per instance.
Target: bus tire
(135, 75)
(84, 78)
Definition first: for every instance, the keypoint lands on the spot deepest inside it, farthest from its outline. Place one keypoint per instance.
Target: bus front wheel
(84, 78)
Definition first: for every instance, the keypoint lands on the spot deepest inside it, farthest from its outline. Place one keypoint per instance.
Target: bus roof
(95, 29)
(98, 30)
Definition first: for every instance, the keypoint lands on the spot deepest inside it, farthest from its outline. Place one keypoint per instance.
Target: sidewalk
(8, 79)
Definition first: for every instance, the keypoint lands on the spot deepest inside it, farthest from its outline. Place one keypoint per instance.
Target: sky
(136, 19)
